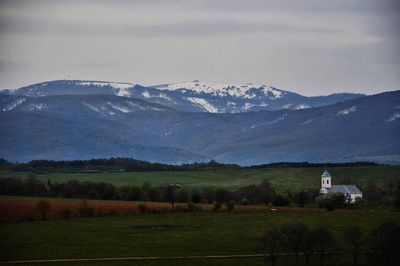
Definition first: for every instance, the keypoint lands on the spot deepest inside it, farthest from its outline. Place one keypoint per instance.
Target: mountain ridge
(190, 96)
(66, 128)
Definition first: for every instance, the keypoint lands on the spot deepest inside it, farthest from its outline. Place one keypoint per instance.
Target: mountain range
(195, 122)
(192, 96)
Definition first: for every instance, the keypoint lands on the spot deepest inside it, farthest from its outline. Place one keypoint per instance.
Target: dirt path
(132, 258)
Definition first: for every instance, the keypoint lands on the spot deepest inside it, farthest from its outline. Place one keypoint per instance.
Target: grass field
(168, 234)
(281, 178)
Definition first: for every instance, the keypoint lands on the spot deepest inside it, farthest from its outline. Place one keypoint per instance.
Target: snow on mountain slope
(106, 105)
(347, 110)
(121, 87)
(203, 104)
(221, 90)
(74, 87)
(116, 85)
(195, 96)
(98, 126)
(394, 117)
(13, 104)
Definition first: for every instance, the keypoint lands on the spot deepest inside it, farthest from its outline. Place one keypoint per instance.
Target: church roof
(351, 189)
(326, 174)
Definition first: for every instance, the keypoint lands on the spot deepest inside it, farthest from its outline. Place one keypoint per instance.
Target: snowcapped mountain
(224, 90)
(99, 125)
(73, 87)
(105, 105)
(193, 96)
(194, 122)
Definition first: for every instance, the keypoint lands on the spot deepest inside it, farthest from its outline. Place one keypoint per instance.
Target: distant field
(281, 178)
(169, 234)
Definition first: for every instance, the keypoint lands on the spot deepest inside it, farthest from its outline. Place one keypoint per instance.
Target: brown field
(25, 209)
(15, 209)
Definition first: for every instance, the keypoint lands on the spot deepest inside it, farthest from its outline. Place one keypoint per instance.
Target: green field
(281, 178)
(168, 234)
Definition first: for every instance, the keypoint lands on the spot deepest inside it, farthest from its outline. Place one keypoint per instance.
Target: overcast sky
(312, 47)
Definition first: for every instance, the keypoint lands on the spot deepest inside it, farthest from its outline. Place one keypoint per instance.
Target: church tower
(326, 180)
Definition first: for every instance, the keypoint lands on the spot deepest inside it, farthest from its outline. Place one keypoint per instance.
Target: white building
(351, 192)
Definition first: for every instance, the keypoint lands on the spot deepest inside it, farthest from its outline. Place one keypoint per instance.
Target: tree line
(379, 246)
(262, 193)
(308, 164)
(102, 165)
(133, 165)
(387, 195)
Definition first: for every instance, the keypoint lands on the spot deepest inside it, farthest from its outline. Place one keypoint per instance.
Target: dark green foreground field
(281, 178)
(170, 234)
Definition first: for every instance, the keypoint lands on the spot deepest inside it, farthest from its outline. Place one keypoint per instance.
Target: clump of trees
(273, 243)
(332, 201)
(354, 239)
(386, 195)
(298, 238)
(308, 165)
(102, 165)
(384, 242)
(130, 164)
(380, 246)
(262, 193)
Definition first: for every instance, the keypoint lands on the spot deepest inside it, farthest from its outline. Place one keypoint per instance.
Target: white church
(351, 192)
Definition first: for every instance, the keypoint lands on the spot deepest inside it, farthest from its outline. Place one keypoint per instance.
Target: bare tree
(294, 236)
(171, 193)
(272, 241)
(308, 245)
(385, 243)
(325, 242)
(354, 239)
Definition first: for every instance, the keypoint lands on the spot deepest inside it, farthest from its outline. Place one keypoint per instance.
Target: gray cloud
(7, 65)
(187, 29)
(309, 46)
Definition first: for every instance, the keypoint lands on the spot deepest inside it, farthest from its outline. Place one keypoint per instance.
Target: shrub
(28, 218)
(44, 208)
(359, 203)
(244, 201)
(179, 208)
(143, 208)
(230, 205)
(198, 207)
(65, 213)
(331, 201)
(85, 210)
(196, 197)
(217, 206)
(304, 197)
(279, 200)
(191, 207)
(194, 207)
(110, 212)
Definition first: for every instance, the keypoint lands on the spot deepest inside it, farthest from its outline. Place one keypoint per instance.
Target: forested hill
(82, 127)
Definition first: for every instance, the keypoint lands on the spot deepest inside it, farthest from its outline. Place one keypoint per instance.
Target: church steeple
(326, 179)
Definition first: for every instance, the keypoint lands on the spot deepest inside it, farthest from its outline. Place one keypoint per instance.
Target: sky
(312, 47)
